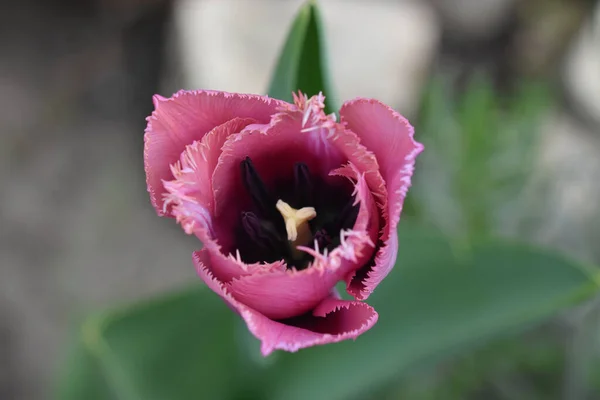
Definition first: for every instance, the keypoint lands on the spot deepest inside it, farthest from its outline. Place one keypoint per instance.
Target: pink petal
(227, 268)
(333, 320)
(190, 194)
(363, 160)
(366, 163)
(368, 220)
(187, 116)
(390, 137)
(284, 294)
(287, 293)
(368, 214)
(191, 199)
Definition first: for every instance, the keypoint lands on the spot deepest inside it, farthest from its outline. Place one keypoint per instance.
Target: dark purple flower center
(261, 233)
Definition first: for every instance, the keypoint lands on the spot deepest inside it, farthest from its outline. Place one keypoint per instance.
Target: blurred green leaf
(436, 301)
(178, 347)
(84, 379)
(521, 366)
(302, 64)
(481, 152)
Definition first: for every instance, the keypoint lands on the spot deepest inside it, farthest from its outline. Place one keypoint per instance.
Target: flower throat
(302, 211)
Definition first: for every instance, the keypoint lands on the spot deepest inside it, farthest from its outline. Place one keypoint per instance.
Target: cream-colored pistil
(296, 225)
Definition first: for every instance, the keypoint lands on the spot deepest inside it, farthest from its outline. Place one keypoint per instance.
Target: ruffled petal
(368, 220)
(190, 197)
(286, 293)
(368, 214)
(332, 320)
(390, 137)
(190, 194)
(192, 172)
(283, 294)
(301, 132)
(230, 267)
(274, 149)
(186, 117)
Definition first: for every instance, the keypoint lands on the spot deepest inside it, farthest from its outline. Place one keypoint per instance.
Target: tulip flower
(287, 202)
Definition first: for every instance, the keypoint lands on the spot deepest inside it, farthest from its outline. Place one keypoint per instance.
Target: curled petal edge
(333, 320)
(185, 117)
(281, 293)
(391, 138)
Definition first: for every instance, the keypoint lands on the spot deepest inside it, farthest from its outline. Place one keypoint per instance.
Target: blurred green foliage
(476, 175)
(434, 304)
(302, 63)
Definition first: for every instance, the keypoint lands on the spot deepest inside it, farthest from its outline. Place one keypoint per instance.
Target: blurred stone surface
(582, 71)
(77, 232)
(473, 20)
(380, 49)
(545, 30)
(570, 171)
(507, 39)
(571, 150)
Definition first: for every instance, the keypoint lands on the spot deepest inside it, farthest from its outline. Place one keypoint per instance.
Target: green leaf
(84, 379)
(175, 347)
(302, 63)
(439, 299)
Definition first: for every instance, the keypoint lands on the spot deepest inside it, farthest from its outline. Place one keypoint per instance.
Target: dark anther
(261, 232)
(303, 184)
(347, 216)
(256, 187)
(323, 239)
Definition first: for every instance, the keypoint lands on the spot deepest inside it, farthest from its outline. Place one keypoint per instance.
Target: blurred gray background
(77, 232)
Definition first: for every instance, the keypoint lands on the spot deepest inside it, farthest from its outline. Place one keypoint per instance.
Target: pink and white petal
(224, 267)
(333, 137)
(339, 140)
(185, 117)
(333, 320)
(284, 294)
(368, 214)
(343, 316)
(390, 137)
(274, 149)
(364, 161)
(229, 267)
(193, 171)
(190, 194)
(355, 250)
(368, 220)
(191, 197)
